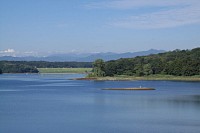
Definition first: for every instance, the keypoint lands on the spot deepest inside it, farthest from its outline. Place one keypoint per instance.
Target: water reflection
(192, 101)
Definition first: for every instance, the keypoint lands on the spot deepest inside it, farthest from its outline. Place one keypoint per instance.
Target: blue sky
(48, 26)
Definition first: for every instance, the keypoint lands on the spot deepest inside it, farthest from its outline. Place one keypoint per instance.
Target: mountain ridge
(86, 57)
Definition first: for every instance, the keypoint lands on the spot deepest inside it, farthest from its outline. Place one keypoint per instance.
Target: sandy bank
(124, 89)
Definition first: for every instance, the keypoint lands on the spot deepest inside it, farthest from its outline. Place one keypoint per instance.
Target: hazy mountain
(114, 56)
(25, 58)
(86, 57)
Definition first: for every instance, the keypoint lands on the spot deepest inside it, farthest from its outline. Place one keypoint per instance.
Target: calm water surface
(47, 103)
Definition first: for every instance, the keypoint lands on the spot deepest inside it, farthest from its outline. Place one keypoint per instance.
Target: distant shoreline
(43, 73)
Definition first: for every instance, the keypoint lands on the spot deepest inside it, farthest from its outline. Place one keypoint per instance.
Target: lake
(52, 103)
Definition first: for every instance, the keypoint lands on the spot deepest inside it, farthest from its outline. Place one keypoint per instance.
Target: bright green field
(64, 70)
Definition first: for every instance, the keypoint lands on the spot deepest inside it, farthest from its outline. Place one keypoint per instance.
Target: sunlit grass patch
(64, 70)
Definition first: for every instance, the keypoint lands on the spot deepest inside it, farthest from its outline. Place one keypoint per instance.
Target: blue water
(47, 103)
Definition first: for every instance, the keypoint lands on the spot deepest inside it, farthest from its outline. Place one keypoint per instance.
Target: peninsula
(179, 65)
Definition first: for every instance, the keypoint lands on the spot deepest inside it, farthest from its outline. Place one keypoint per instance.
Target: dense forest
(177, 63)
(31, 66)
(16, 67)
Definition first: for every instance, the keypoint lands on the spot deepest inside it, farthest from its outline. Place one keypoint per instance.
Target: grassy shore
(151, 77)
(64, 70)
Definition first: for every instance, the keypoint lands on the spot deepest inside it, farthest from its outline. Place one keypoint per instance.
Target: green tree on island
(99, 68)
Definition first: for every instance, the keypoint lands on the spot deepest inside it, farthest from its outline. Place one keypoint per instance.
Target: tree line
(177, 63)
(31, 66)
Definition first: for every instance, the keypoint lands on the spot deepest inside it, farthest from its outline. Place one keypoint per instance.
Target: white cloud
(12, 52)
(8, 51)
(183, 12)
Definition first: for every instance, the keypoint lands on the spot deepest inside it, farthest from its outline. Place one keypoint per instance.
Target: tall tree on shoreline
(99, 68)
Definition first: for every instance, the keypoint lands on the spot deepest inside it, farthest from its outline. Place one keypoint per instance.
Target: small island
(126, 89)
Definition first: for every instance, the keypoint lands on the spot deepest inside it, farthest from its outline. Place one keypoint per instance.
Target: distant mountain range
(88, 57)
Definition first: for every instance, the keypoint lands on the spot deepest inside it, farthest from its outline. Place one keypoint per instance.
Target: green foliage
(0, 71)
(177, 63)
(99, 68)
(31, 66)
(10, 67)
(147, 69)
(110, 68)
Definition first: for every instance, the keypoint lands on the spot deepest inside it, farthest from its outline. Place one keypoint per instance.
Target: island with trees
(173, 65)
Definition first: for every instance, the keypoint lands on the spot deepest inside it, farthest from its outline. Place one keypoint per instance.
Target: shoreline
(129, 89)
(132, 78)
(62, 73)
(128, 78)
(44, 73)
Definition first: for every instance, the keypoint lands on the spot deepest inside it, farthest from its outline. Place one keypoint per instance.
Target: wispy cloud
(162, 19)
(184, 12)
(12, 52)
(128, 4)
(15, 53)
